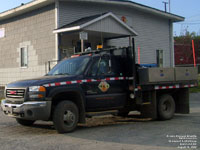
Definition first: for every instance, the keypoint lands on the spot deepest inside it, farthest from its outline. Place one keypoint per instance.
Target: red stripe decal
(79, 81)
(89, 80)
(57, 84)
(116, 78)
(174, 87)
(107, 79)
(68, 82)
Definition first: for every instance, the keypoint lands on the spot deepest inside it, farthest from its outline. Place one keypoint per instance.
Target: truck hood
(42, 80)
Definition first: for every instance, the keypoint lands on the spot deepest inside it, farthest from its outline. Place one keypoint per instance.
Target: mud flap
(149, 109)
(182, 101)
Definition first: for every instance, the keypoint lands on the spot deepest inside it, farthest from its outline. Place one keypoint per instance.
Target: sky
(190, 9)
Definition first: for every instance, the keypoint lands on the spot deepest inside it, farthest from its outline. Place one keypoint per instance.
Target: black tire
(166, 107)
(25, 122)
(65, 117)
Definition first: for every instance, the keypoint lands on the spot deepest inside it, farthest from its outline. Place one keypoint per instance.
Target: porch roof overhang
(105, 23)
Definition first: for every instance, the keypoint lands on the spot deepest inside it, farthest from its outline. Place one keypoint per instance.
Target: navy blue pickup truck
(97, 81)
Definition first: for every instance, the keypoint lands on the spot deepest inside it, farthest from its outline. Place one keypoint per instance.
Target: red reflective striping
(79, 81)
(57, 84)
(89, 80)
(68, 82)
(116, 78)
(173, 87)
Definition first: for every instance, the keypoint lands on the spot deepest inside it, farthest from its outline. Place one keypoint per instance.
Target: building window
(2, 32)
(24, 56)
(160, 56)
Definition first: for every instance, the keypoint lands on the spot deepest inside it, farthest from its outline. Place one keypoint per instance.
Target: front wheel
(25, 122)
(166, 107)
(65, 117)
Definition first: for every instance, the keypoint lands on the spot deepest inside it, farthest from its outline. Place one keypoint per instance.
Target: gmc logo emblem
(13, 92)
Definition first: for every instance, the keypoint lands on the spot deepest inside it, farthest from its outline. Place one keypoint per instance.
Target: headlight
(37, 89)
(37, 92)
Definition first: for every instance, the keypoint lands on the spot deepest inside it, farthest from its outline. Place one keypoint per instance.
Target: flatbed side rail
(166, 86)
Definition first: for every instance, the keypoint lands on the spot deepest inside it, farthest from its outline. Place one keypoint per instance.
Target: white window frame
(2, 33)
(163, 57)
(26, 49)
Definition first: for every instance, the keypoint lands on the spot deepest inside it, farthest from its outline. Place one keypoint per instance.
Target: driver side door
(104, 92)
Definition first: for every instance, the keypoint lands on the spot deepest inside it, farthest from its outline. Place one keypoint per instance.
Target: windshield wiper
(61, 74)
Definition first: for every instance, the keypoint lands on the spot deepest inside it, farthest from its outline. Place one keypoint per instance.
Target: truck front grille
(15, 93)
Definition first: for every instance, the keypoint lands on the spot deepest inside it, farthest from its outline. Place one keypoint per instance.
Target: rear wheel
(65, 117)
(166, 107)
(25, 122)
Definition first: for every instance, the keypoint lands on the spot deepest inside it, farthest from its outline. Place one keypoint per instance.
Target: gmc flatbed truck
(96, 81)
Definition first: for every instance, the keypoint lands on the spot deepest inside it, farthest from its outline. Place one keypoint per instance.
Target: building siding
(108, 25)
(153, 31)
(33, 30)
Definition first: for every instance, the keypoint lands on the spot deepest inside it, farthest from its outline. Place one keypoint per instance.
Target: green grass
(196, 89)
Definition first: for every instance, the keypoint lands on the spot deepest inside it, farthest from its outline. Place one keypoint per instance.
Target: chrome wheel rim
(69, 118)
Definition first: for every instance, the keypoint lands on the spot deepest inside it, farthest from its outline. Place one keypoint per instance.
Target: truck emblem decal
(104, 86)
(13, 92)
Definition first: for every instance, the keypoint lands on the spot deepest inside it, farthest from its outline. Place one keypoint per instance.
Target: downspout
(56, 27)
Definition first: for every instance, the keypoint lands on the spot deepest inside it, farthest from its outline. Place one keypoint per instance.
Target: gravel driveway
(106, 133)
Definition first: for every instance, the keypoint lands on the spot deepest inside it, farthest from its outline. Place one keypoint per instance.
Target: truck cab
(93, 81)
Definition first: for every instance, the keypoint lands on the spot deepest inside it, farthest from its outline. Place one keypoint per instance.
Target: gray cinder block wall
(33, 30)
(1, 93)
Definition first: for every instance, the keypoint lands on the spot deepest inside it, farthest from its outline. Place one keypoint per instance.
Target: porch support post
(82, 46)
(130, 41)
(56, 26)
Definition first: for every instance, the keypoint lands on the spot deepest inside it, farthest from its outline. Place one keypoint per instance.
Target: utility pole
(169, 6)
(165, 3)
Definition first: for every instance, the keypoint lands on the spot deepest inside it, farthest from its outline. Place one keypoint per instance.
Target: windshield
(72, 66)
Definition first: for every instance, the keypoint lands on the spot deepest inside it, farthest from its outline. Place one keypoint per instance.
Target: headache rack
(103, 51)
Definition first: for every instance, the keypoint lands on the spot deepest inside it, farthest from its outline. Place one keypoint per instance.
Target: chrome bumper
(27, 110)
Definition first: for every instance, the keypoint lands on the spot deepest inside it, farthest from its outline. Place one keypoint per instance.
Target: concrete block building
(43, 31)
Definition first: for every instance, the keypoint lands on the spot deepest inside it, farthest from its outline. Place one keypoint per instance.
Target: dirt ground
(107, 133)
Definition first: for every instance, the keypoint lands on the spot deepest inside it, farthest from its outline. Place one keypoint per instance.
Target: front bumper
(27, 110)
